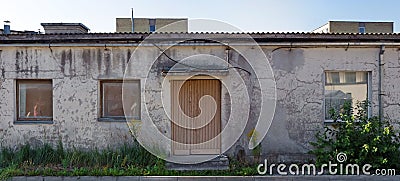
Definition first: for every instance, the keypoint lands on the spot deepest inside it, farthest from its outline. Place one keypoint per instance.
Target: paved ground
(206, 178)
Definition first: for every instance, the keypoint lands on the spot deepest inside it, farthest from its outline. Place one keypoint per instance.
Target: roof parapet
(50, 28)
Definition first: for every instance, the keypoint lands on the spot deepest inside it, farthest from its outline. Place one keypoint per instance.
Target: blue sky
(250, 15)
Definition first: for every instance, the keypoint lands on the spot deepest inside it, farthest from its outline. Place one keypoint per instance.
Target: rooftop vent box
(64, 28)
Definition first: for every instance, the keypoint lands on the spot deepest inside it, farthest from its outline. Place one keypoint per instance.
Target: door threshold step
(219, 163)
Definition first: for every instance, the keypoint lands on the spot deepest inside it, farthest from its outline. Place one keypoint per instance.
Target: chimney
(6, 29)
(64, 28)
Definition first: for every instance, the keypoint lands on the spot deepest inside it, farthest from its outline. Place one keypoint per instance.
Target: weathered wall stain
(99, 60)
(86, 61)
(107, 61)
(3, 73)
(69, 58)
(63, 60)
(17, 57)
(36, 66)
(127, 59)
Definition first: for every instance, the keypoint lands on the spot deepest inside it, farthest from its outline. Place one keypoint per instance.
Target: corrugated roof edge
(129, 37)
(226, 33)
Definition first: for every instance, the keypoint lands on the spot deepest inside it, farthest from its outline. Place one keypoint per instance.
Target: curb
(207, 178)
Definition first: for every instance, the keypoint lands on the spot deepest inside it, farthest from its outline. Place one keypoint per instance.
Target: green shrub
(364, 140)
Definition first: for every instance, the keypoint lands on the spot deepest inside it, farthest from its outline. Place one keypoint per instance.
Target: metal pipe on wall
(380, 64)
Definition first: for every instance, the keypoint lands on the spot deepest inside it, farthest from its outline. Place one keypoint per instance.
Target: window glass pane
(35, 99)
(332, 78)
(152, 28)
(352, 91)
(113, 100)
(361, 77)
(132, 99)
(350, 77)
(361, 29)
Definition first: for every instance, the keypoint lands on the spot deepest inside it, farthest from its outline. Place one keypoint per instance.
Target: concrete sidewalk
(206, 178)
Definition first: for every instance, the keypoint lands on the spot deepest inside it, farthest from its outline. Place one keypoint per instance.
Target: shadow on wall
(287, 60)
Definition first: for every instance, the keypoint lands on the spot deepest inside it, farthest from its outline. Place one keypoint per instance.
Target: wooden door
(196, 115)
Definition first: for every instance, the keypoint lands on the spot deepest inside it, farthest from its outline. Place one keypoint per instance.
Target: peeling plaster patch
(278, 139)
(288, 60)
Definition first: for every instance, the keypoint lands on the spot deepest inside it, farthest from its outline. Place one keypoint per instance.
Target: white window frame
(123, 118)
(369, 92)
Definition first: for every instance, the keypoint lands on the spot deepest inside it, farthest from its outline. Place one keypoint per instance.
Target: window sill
(23, 122)
(122, 119)
(329, 122)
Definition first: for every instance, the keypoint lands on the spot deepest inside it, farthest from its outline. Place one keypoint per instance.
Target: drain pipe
(380, 65)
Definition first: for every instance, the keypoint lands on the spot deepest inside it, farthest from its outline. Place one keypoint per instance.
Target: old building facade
(68, 87)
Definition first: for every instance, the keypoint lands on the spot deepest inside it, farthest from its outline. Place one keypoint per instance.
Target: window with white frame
(34, 100)
(113, 102)
(342, 87)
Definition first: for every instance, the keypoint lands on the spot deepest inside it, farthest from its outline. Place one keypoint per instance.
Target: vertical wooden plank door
(194, 134)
